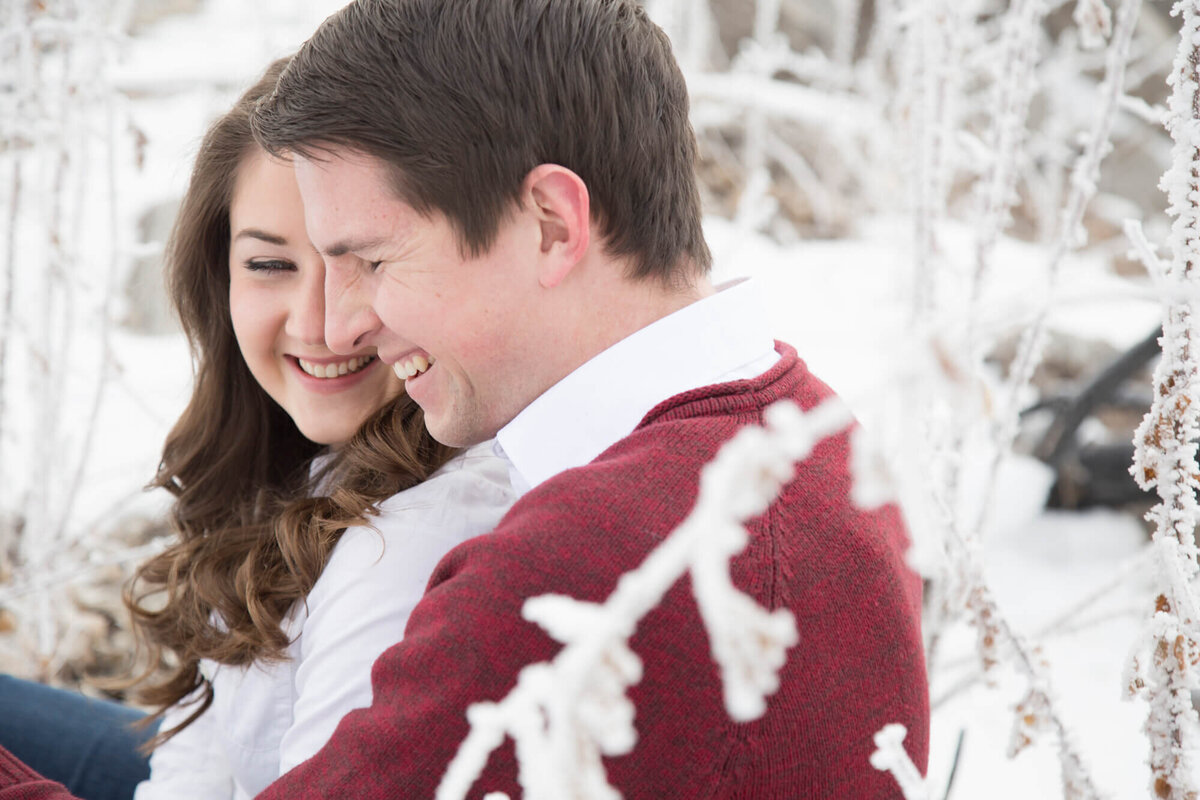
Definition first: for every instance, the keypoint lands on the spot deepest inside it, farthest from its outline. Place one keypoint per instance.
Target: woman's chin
(333, 437)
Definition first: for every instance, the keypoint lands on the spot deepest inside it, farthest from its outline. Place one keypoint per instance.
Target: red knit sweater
(840, 571)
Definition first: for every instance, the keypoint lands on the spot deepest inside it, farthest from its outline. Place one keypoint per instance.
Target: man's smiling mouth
(412, 367)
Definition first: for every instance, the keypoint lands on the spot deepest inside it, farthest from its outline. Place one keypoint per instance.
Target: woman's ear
(559, 200)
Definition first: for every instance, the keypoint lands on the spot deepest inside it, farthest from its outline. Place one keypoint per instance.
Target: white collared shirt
(268, 717)
(720, 338)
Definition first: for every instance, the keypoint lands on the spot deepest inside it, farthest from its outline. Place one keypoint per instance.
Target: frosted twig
(566, 714)
(1144, 252)
(933, 86)
(105, 346)
(1013, 91)
(1143, 110)
(890, 756)
(1165, 449)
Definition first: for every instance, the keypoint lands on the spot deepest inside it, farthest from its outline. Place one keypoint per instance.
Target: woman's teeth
(334, 370)
(412, 367)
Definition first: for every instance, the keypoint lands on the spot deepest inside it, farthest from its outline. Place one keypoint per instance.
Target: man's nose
(349, 320)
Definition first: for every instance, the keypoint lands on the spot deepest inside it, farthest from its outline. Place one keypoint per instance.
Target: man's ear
(559, 200)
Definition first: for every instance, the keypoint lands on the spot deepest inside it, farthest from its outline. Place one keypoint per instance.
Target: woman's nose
(306, 317)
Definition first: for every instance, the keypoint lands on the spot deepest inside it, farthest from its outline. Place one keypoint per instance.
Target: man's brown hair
(464, 97)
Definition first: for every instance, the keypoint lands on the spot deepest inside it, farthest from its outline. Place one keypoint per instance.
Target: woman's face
(277, 301)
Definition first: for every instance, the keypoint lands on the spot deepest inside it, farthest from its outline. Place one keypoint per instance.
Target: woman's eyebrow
(255, 233)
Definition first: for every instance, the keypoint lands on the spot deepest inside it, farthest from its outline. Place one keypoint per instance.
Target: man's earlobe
(560, 201)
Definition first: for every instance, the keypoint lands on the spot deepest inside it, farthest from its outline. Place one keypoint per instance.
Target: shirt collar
(721, 337)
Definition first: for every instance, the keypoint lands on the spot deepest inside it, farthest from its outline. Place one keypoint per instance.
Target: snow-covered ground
(1076, 583)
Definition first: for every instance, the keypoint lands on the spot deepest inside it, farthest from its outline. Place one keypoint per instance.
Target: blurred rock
(148, 310)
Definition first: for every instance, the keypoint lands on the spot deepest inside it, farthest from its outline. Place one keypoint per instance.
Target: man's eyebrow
(255, 233)
(352, 246)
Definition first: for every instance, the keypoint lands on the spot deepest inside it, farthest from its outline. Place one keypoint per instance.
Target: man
(504, 194)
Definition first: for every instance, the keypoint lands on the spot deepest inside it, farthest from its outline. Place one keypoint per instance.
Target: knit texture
(840, 571)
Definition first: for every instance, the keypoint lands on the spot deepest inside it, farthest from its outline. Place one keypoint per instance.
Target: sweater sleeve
(19, 782)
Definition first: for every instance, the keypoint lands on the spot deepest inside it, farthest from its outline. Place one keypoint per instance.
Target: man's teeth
(334, 370)
(412, 367)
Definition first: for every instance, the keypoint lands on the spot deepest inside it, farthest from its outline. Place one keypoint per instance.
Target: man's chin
(451, 431)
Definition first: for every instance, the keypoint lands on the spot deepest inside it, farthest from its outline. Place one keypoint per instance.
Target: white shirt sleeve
(190, 764)
(360, 605)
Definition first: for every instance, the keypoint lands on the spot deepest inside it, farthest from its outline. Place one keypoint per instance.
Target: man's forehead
(350, 206)
(339, 164)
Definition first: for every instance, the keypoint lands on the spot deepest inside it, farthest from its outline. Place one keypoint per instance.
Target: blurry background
(913, 182)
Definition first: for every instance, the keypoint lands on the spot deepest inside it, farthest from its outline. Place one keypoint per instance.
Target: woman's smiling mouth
(336, 369)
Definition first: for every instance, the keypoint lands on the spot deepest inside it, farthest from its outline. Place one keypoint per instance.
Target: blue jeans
(85, 744)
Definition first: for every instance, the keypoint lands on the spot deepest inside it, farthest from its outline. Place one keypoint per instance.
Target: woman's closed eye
(269, 265)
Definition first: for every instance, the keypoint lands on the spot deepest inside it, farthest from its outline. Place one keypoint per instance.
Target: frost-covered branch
(567, 714)
(1013, 91)
(933, 87)
(998, 640)
(1164, 667)
(60, 127)
(890, 756)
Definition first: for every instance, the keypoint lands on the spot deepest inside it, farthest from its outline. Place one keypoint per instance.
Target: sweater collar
(719, 338)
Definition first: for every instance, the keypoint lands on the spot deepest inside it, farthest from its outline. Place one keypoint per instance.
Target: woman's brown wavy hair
(253, 534)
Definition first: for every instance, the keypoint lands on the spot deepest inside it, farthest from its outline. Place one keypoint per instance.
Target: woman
(295, 566)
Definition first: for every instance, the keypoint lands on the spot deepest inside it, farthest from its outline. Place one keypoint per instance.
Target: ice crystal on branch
(567, 714)
(1032, 719)
(1095, 22)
